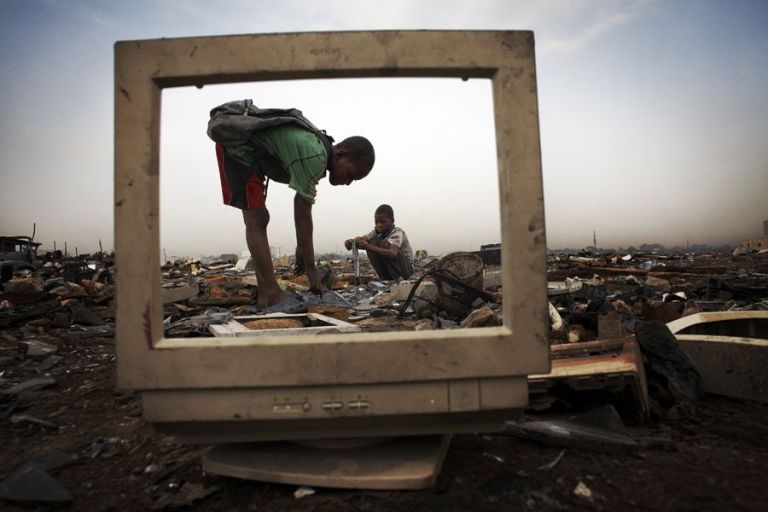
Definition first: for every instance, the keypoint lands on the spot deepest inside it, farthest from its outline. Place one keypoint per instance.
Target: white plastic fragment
(582, 491)
(303, 492)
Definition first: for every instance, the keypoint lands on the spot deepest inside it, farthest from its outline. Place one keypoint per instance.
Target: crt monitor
(213, 390)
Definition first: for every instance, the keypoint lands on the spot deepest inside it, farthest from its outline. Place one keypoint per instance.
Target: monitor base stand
(398, 463)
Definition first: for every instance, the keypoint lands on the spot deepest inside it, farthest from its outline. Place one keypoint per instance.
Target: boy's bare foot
(270, 298)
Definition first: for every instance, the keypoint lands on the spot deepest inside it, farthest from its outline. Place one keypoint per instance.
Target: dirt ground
(717, 461)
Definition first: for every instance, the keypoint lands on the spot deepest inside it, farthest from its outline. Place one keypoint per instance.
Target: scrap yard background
(87, 444)
(652, 118)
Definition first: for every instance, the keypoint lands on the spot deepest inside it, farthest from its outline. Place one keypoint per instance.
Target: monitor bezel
(147, 360)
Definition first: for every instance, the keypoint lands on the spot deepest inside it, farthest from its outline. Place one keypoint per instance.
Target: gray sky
(654, 117)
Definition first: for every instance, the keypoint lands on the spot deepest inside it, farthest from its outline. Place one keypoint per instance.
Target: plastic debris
(303, 492)
(582, 491)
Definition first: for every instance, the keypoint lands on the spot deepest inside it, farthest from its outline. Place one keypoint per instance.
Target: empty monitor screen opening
(435, 165)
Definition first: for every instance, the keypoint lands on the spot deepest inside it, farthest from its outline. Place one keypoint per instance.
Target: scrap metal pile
(609, 325)
(611, 346)
(595, 300)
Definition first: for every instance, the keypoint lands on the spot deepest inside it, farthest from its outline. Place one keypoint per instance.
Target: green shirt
(286, 154)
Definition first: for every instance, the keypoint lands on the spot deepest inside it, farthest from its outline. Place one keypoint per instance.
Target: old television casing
(213, 390)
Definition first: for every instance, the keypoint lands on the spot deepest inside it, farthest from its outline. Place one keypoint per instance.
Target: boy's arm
(302, 217)
(390, 251)
(359, 240)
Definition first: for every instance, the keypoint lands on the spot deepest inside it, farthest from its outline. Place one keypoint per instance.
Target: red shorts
(241, 186)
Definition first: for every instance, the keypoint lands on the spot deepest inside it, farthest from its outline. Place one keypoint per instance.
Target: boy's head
(383, 218)
(352, 160)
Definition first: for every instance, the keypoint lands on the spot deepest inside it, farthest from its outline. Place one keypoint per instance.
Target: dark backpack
(235, 122)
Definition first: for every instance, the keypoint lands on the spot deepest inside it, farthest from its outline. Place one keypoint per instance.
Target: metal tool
(356, 260)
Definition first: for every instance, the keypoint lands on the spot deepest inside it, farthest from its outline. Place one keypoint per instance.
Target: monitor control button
(332, 406)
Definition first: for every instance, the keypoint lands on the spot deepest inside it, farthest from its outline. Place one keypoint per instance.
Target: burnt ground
(715, 461)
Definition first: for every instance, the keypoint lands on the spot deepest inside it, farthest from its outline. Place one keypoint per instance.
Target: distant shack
(12, 245)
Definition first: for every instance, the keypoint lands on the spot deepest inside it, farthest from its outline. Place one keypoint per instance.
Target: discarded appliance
(491, 254)
(611, 365)
(353, 385)
(459, 279)
(397, 463)
(564, 287)
(458, 285)
(730, 349)
(281, 324)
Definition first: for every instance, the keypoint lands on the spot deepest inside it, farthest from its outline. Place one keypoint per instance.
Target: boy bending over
(299, 158)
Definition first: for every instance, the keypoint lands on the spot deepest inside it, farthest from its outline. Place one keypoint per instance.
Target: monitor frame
(149, 361)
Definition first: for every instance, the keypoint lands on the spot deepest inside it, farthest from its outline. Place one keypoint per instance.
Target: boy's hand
(362, 243)
(348, 244)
